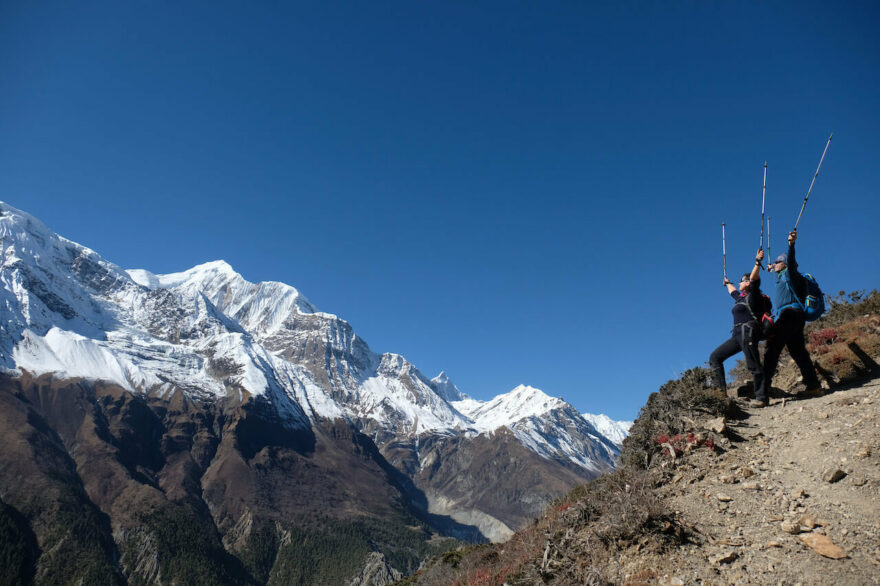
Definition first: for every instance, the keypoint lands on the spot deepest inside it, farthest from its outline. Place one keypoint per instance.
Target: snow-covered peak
(64, 310)
(615, 431)
(26, 239)
(16, 223)
(522, 402)
(48, 281)
(210, 272)
(206, 276)
(260, 307)
(144, 278)
(446, 388)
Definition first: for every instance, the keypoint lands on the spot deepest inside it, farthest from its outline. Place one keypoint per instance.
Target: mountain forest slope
(711, 493)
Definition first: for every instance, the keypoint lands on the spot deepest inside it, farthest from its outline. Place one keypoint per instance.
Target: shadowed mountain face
(195, 427)
(100, 483)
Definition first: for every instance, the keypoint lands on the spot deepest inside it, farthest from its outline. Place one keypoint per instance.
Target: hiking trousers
(789, 332)
(745, 337)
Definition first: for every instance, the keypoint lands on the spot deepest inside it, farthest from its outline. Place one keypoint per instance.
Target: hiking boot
(812, 391)
(756, 404)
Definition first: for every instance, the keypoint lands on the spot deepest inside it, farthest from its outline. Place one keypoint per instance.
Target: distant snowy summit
(209, 332)
(616, 431)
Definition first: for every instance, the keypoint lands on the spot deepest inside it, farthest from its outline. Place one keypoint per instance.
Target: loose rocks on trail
(796, 500)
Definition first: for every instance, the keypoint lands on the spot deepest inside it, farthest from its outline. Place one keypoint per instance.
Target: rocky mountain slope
(798, 500)
(713, 492)
(195, 426)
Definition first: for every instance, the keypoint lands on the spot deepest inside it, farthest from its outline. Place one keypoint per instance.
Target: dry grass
(575, 542)
(674, 412)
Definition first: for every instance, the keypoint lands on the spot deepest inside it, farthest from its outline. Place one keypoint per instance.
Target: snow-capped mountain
(547, 425)
(616, 431)
(446, 388)
(210, 333)
(384, 393)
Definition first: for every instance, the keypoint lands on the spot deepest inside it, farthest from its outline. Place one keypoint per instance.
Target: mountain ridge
(242, 409)
(222, 299)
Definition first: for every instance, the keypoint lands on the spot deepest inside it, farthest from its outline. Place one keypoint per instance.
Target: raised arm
(792, 263)
(730, 286)
(756, 271)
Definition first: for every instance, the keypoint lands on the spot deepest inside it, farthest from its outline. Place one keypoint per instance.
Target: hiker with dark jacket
(748, 307)
(791, 289)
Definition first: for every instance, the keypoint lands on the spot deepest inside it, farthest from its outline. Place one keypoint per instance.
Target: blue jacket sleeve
(797, 280)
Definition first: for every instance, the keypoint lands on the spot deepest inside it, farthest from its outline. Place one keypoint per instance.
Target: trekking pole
(723, 251)
(769, 258)
(827, 144)
(763, 201)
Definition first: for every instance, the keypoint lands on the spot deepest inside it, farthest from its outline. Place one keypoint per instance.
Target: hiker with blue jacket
(748, 307)
(791, 289)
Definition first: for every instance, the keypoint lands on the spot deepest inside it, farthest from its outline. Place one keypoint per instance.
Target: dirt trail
(745, 504)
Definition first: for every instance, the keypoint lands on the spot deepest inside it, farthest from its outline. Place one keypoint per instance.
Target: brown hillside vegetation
(709, 493)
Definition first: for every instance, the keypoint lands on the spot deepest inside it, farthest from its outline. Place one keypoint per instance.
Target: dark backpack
(766, 319)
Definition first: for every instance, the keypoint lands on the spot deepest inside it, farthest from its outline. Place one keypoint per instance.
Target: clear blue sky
(513, 192)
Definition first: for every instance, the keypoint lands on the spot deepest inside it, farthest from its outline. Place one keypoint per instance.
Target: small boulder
(718, 425)
(723, 558)
(807, 523)
(823, 545)
(833, 475)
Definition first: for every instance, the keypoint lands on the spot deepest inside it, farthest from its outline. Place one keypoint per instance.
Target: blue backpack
(814, 304)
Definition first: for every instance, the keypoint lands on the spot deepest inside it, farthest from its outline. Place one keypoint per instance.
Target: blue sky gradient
(513, 192)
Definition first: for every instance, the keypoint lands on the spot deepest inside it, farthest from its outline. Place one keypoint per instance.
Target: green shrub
(79, 549)
(17, 548)
(188, 548)
(324, 550)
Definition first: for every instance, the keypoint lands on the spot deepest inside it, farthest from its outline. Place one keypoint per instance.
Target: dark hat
(782, 258)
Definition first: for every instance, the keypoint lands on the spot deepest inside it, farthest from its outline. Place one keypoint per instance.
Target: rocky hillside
(712, 492)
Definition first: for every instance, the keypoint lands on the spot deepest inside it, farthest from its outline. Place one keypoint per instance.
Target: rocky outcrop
(376, 572)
